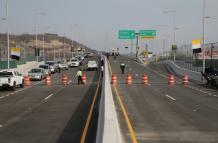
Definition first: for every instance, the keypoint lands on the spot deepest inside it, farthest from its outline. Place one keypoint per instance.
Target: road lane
(48, 114)
(162, 113)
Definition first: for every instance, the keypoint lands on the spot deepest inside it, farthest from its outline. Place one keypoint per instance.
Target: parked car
(46, 68)
(36, 74)
(92, 65)
(9, 78)
(74, 62)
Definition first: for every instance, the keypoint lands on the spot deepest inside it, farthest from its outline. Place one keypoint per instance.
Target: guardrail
(196, 76)
(108, 130)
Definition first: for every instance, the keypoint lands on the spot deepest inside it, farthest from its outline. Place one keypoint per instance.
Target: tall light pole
(203, 44)
(64, 48)
(174, 30)
(36, 34)
(43, 45)
(8, 40)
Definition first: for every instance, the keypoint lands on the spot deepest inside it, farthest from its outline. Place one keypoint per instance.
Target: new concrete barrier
(108, 130)
(196, 76)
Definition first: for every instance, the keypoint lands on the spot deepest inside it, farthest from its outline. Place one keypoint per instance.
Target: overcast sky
(96, 22)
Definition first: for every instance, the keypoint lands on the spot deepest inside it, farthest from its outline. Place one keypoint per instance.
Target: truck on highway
(9, 78)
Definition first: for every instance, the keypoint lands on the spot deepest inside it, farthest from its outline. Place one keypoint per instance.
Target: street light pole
(174, 30)
(203, 44)
(64, 48)
(8, 40)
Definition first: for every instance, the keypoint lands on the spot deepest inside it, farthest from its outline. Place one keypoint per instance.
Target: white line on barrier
(48, 96)
(170, 97)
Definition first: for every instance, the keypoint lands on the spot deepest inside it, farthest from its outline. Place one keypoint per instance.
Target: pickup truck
(9, 78)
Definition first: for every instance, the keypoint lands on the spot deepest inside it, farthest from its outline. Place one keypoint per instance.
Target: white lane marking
(215, 95)
(136, 75)
(15, 92)
(48, 96)
(69, 82)
(170, 97)
(2, 97)
(38, 83)
(1, 126)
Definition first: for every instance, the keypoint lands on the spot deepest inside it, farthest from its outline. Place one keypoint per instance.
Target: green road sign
(147, 33)
(126, 34)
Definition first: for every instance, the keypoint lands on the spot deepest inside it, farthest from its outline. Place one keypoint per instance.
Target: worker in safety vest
(79, 76)
(122, 67)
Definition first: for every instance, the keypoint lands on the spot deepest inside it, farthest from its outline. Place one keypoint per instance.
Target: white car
(9, 78)
(36, 74)
(74, 62)
(63, 66)
(92, 65)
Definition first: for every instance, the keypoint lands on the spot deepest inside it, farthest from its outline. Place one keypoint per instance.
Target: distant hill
(53, 43)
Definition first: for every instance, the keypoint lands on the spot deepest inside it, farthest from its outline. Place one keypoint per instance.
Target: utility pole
(203, 44)
(8, 40)
(137, 44)
(64, 48)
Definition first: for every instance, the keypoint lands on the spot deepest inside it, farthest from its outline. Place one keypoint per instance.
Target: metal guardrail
(108, 130)
(196, 76)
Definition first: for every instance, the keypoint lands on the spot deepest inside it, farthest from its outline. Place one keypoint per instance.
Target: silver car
(36, 74)
(46, 69)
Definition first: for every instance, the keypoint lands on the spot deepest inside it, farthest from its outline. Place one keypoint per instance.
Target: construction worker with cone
(79, 76)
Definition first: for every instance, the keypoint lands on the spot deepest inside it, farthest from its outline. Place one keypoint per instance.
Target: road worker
(122, 67)
(79, 76)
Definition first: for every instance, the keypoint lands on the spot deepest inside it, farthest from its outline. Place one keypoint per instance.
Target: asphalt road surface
(50, 114)
(159, 113)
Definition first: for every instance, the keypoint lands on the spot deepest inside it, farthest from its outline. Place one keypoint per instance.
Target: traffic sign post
(126, 34)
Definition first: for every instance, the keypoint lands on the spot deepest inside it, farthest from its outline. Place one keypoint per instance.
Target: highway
(159, 113)
(51, 114)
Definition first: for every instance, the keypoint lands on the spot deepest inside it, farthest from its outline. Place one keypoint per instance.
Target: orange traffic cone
(64, 79)
(47, 80)
(185, 80)
(26, 81)
(129, 79)
(171, 79)
(84, 79)
(113, 79)
(145, 79)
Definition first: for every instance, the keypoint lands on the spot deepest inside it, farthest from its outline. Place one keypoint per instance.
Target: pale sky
(96, 22)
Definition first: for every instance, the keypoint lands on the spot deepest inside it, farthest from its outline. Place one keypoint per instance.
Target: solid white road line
(170, 97)
(48, 96)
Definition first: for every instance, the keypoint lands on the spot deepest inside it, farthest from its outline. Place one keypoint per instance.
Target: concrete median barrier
(108, 130)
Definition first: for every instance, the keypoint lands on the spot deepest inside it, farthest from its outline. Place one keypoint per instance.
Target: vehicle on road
(63, 65)
(53, 66)
(9, 78)
(46, 68)
(74, 62)
(92, 65)
(36, 74)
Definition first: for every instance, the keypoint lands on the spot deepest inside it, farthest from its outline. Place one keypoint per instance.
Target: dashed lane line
(170, 97)
(48, 96)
